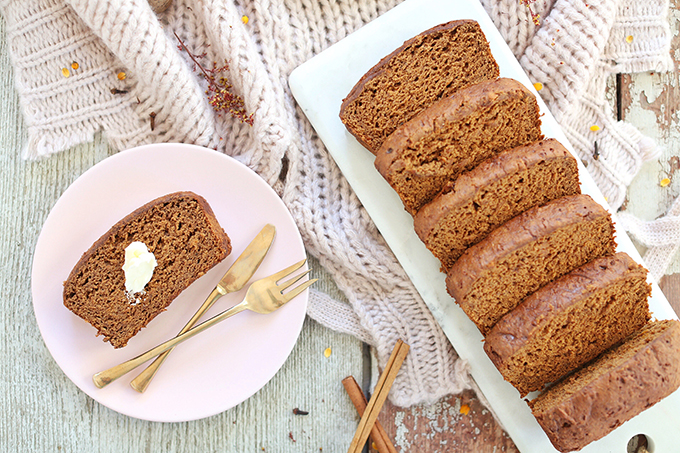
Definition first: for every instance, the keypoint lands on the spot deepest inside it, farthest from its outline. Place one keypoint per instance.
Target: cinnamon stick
(380, 438)
(378, 399)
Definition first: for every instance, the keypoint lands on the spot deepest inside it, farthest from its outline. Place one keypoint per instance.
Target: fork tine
(297, 290)
(286, 272)
(292, 281)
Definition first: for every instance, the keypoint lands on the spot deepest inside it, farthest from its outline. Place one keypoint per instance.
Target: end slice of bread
(623, 382)
(426, 68)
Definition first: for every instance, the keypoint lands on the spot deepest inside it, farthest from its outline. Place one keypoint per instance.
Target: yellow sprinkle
(65, 72)
(464, 409)
(75, 65)
(245, 19)
(374, 446)
(327, 352)
(538, 86)
(594, 128)
(664, 182)
(122, 76)
(629, 39)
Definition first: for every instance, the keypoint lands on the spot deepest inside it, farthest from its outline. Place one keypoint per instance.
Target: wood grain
(651, 102)
(670, 286)
(458, 423)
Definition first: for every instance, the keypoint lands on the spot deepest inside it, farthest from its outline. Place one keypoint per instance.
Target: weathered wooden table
(42, 410)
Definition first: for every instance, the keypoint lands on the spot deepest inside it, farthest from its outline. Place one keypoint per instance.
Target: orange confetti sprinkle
(629, 39)
(75, 65)
(664, 182)
(327, 352)
(245, 19)
(538, 86)
(122, 76)
(594, 128)
(464, 409)
(65, 72)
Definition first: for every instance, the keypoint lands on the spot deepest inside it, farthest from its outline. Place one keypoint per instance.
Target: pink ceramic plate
(213, 371)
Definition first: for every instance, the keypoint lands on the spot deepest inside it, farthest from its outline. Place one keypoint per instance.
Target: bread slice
(623, 382)
(455, 135)
(492, 193)
(527, 252)
(180, 229)
(426, 68)
(569, 322)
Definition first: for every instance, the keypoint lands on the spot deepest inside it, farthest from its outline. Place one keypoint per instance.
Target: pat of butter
(138, 267)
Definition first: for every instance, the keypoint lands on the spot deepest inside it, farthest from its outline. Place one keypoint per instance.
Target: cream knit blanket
(67, 56)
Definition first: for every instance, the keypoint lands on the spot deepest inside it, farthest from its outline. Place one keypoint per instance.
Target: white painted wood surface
(651, 101)
(42, 410)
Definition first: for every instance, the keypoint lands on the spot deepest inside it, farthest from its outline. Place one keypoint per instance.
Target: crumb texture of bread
(426, 68)
(624, 381)
(527, 252)
(455, 135)
(492, 193)
(569, 322)
(180, 229)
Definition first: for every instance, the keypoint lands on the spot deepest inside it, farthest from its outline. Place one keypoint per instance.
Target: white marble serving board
(320, 84)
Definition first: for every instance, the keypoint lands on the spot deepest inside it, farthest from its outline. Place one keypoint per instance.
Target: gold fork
(264, 296)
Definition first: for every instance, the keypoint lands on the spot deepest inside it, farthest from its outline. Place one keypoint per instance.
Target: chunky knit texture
(106, 37)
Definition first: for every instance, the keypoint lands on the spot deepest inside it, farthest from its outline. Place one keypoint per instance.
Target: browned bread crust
(427, 67)
(492, 193)
(569, 322)
(180, 229)
(527, 252)
(456, 134)
(623, 382)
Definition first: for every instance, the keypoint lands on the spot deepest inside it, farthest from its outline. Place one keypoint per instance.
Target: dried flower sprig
(535, 17)
(219, 92)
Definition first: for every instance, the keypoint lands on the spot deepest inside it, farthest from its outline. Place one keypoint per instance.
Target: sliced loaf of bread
(426, 68)
(527, 252)
(620, 384)
(181, 231)
(492, 193)
(569, 322)
(454, 135)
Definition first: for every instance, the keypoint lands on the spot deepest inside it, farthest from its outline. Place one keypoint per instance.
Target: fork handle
(142, 381)
(104, 378)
